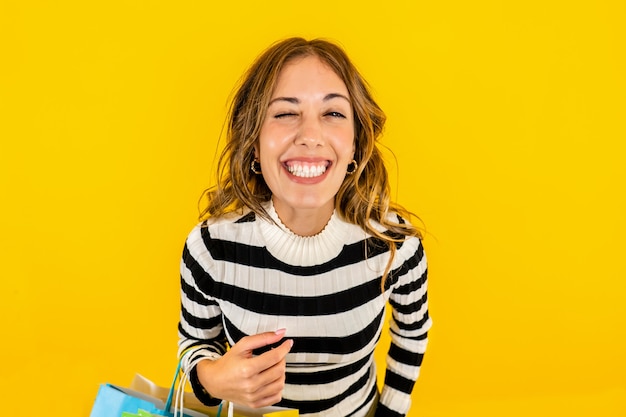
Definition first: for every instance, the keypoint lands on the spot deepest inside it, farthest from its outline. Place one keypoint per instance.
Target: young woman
(285, 282)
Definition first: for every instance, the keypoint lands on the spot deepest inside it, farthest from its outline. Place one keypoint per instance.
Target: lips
(305, 169)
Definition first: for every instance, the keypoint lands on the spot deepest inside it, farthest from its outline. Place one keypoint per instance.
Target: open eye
(335, 114)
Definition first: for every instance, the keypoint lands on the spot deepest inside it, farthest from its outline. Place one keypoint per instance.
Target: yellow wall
(507, 120)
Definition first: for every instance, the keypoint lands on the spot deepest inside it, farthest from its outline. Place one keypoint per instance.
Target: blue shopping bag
(117, 401)
(113, 401)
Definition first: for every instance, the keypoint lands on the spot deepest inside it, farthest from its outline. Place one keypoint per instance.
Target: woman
(284, 285)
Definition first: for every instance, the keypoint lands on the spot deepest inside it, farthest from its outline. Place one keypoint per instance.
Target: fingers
(269, 394)
(249, 343)
(265, 388)
(258, 364)
(278, 353)
(273, 363)
(272, 357)
(245, 378)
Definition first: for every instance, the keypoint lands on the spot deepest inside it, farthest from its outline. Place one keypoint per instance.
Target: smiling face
(306, 140)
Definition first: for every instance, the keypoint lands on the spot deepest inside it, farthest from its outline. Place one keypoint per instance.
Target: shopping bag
(144, 385)
(140, 413)
(113, 401)
(116, 401)
(146, 399)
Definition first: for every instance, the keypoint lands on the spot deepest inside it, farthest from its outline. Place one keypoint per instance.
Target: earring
(352, 167)
(255, 166)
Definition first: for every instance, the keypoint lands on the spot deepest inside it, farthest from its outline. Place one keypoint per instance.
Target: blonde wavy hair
(363, 197)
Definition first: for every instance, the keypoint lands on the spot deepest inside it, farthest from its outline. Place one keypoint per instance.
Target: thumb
(261, 341)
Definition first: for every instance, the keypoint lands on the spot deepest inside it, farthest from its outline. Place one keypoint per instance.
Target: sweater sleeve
(409, 329)
(200, 329)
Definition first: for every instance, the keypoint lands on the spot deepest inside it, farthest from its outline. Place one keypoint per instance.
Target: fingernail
(280, 332)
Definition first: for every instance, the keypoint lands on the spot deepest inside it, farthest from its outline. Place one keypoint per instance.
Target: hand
(240, 377)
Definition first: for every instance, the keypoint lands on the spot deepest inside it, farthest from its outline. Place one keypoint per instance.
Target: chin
(311, 203)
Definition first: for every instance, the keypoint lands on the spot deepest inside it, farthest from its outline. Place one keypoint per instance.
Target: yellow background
(507, 121)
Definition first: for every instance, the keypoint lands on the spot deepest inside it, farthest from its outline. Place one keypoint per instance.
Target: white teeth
(306, 171)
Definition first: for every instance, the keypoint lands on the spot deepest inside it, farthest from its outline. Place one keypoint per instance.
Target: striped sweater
(242, 275)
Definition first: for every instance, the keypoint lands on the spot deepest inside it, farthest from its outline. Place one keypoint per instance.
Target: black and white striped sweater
(243, 275)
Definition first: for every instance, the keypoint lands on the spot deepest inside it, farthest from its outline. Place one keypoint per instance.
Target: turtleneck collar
(305, 250)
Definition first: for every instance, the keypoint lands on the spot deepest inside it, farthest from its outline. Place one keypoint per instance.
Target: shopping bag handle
(183, 381)
(170, 396)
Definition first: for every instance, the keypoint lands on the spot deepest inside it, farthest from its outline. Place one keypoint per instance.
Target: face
(307, 138)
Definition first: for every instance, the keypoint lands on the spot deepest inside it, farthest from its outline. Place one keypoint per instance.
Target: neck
(304, 222)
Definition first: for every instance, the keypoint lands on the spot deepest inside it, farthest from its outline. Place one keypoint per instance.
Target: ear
(256, 151)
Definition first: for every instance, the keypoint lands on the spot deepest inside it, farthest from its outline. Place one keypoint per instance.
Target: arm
(200, 329)
(215, 372)
(409, 328)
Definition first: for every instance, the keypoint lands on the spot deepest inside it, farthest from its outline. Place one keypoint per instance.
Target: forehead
(308, 75)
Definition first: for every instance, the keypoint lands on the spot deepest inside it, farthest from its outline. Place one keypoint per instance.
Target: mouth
(304, 169)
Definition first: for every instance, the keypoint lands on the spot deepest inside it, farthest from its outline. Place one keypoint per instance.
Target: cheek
(347, 143)
(264, 146)
(272, 139)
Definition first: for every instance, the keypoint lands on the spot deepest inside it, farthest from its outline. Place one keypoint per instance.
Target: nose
(309, 132)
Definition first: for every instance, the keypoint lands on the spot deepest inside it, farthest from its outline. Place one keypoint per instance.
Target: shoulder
(392, 218)
(225, 227)
(391, 226)
(407, 244)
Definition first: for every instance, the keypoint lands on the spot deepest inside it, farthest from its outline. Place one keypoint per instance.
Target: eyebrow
(295, 100)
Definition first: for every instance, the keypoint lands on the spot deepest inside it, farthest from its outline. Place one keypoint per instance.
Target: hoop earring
(352, 167)
(255, 166)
